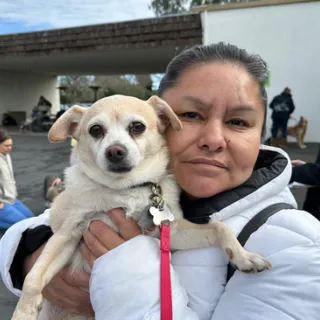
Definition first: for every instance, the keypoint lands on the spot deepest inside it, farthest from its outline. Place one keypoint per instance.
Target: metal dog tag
(160, 216)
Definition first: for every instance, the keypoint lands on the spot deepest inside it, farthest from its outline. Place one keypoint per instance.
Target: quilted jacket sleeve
(9, 244)
(125, 284)
(291, 289)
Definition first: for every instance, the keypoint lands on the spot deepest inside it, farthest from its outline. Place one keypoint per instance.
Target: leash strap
(165, 279)
(254, 224)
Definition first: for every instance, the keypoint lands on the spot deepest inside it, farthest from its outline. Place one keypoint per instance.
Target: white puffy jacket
(125, 281)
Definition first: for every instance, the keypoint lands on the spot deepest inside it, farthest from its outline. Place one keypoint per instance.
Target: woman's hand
(100, 238)
(297, 162)
(64, 289)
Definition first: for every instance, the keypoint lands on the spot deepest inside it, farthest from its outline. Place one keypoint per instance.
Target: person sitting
(11, 209)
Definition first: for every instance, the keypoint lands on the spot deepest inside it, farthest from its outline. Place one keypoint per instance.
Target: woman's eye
(238, 123)
(191, 115)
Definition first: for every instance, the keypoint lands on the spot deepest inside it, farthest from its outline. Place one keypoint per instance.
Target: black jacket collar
(269, 165)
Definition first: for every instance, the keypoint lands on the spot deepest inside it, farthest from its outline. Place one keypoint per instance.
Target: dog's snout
(116, 153)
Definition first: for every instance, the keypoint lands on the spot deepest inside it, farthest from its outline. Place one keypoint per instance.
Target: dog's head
(117, 136)
(303, 121)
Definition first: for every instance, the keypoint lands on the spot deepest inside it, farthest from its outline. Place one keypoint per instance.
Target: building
(286, 34)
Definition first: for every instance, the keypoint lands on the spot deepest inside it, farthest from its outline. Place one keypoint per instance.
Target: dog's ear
(165, 114)
(66, 125)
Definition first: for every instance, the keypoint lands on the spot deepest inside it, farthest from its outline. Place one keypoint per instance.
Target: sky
(33, 15)
(18, 16)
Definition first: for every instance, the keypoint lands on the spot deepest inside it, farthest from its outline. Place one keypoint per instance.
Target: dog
(122, 161)
(298, 131)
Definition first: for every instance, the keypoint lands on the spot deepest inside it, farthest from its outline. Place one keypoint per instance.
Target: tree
(139, 86)
(166, 7)
(76, 89)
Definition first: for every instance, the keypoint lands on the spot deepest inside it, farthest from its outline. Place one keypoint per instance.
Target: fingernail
(88, 238)
(109, 213)
(113, 213)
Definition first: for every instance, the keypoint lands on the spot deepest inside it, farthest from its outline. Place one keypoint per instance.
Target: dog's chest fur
(85, 200)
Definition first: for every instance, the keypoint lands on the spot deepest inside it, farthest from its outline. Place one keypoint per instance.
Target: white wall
(288, 38)
(21, 91)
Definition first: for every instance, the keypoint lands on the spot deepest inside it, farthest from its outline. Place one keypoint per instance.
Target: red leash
(165, 279)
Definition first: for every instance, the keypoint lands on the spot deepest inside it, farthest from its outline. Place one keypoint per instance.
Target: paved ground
(34, 158)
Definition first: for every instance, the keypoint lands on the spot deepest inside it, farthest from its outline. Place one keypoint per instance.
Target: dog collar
(144, 184)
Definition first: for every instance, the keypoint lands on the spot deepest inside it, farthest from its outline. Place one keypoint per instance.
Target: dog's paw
(27, 308)
(22, 315)
(249, 262)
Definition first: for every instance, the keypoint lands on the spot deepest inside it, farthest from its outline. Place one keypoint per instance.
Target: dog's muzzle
(117, 159)
(116, 153)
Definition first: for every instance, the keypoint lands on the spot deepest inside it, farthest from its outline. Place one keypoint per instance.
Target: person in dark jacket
(306, 173)
(309, 174)
(282, 107)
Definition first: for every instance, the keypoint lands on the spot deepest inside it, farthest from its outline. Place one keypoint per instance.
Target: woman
(11, 209)
(218, 93)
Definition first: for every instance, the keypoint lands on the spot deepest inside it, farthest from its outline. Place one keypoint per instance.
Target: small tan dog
(298, 131)
(121, 161)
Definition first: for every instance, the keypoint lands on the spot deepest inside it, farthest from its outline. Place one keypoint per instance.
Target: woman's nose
(212, 137)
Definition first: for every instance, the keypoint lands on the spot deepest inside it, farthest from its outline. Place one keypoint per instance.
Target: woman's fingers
(88, 255)
(93, 242)
(64, 291)
(104, 234)
(128, 228)
(100, 238)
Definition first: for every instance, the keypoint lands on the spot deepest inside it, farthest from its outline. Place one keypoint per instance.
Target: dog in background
(298, 131)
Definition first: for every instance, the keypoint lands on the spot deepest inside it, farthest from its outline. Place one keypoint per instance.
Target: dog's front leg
(300, 141)
(55, 255)
(187, 235)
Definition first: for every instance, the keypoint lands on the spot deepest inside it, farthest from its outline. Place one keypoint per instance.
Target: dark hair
(223, 52)
(4, 135)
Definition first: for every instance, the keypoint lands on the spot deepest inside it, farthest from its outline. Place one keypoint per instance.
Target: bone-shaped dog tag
(160, 215)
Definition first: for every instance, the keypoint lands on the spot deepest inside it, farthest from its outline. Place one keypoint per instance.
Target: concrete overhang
(140, 46)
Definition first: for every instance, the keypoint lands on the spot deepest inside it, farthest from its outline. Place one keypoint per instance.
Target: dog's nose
(115, 154)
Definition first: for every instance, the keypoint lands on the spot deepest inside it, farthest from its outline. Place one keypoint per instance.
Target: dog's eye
(136, 128)
(96, 131)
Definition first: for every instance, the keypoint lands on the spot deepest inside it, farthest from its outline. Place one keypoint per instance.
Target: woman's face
(222, 114)
(6, 146)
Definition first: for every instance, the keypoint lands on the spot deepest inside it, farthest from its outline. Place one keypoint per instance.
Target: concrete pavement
(33, 158)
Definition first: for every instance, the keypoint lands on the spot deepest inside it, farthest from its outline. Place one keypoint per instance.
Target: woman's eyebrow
(236, 109)
(242, 109)
(198, 102)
